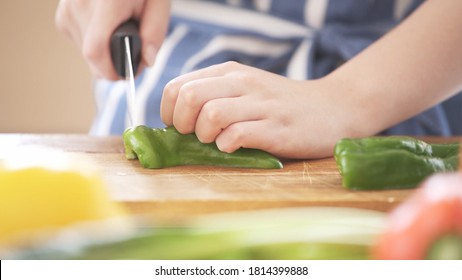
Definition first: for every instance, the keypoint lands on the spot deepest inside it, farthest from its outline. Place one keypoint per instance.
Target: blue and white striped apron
(300, 39)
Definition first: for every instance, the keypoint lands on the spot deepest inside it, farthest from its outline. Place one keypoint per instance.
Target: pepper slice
(394, 162)
(166, 147)
(47, 197)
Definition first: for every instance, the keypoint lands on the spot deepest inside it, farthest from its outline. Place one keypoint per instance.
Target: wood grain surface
(181, 192)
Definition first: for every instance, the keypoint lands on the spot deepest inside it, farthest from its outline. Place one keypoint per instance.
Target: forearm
(415, 66)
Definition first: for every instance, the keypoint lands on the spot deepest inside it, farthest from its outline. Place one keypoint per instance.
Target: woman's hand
(412, 68)
(240, 106)
(90, 24)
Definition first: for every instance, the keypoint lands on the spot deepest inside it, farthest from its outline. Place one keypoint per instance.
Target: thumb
(153, 27)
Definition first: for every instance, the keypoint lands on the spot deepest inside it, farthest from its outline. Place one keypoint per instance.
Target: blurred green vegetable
(304, 233)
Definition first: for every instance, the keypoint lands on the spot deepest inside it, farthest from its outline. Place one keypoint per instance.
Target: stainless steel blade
(130, 78)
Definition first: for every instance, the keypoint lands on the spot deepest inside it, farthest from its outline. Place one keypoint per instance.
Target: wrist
(370, 103)
(352, 106)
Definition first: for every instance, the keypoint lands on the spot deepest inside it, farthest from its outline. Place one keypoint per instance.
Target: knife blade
(126, 56)
(130, 78)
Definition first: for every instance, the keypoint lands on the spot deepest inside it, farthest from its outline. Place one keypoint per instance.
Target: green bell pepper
(394, 162)
(166, 147)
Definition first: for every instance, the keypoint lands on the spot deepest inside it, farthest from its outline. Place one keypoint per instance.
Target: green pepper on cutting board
(166, 147)
(393, 162)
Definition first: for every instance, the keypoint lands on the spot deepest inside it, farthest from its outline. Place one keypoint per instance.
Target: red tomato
(432, 212)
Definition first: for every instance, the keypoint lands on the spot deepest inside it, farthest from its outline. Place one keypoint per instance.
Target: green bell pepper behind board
(166, 147)
(393, 162)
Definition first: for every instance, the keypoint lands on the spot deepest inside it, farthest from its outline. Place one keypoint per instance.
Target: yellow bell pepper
(47, 195)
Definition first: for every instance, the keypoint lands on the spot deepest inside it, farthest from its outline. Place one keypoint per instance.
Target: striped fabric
(301, 39)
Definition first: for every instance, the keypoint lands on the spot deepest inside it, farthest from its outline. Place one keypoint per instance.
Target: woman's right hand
(90, 24)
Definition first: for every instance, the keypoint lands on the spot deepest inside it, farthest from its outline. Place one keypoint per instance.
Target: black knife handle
(130, 29)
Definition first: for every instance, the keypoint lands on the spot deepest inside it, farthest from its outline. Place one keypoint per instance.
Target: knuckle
(170, 91)
(189, 95)
(230, 64)
(90, 51)
(235, 135)
(226, 67)
(212, 113)
(173, 85)
(247, 78)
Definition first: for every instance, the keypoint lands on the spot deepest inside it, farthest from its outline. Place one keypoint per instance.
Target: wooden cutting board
(180, 192)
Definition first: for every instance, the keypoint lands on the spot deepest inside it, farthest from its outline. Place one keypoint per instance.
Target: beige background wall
(45, 86)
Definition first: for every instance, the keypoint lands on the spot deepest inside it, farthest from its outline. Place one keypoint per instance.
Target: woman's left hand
(241, 106)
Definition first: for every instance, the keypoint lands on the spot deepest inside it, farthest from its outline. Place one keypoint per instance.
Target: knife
(126, 56)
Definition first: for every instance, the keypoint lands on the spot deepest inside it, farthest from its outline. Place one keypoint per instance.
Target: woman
(303, 73)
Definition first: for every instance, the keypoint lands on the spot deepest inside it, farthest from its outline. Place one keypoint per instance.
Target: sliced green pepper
(166, 147)
(393, 162)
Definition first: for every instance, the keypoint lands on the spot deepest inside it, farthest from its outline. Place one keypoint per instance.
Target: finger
(153, 27)
(63, 18)
(170, 96)
(67, 23)
(172, 89)
(95, 48)
(221, 69)
(193, 95)
(216, 115)
(251, 134)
